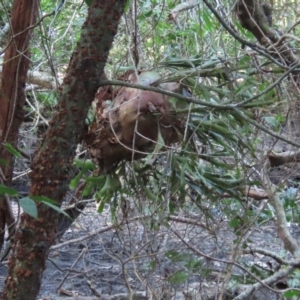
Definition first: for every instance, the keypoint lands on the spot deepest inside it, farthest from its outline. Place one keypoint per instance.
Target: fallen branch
(277, 159)
(252, 192)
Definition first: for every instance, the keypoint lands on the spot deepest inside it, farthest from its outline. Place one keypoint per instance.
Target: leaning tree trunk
(53, 160)
(12, 95)
(256, 17)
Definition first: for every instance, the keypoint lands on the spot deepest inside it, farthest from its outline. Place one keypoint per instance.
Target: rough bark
(12, 95)
(53, 160)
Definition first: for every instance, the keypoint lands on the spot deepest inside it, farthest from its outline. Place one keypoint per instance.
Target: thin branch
(270, 87)
(73, 265)
(28, 28)
(200, 253)
(95, 232)
(197, 101)
(289, 242)
(266, 282)
(268, 253)
(259, 126)
(255, 47)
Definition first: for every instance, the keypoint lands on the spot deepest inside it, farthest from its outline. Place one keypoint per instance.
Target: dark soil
(133, 257)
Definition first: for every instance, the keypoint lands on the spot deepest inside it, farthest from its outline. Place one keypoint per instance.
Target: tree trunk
(12, 95)
(256, 17)
(53, 160)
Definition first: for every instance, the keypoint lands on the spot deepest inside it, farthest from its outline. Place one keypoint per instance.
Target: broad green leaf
(291, 294)
(88, 2)
(112, 184)
(29, 206)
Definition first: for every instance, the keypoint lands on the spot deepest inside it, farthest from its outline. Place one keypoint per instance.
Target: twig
(259, 49)
(265, 252)
(202, 254)
(189, 221)
(93, 233)
(266, 282)
(73, 265)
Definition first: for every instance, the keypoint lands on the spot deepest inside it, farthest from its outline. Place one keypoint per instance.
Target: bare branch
(290, 243)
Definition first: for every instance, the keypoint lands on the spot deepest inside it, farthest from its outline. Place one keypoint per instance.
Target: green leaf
(98, 181)
(86, 165)
(88, 189)
(152, 265)
(148, 78)
(148, 14)
(12, 150)
(7, 190)
(29, 206)
(235, 223)
(88, 2)
(193, 265)
(93, 182)
(75, 181)
(207, 22)
(291, 294)
(112, 185)
(49, 202)
(43, 199)
(58, 209)
(101, 206)
(178, 277)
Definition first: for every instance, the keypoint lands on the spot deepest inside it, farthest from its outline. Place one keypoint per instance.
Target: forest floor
(96, 258)
(187, 257)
